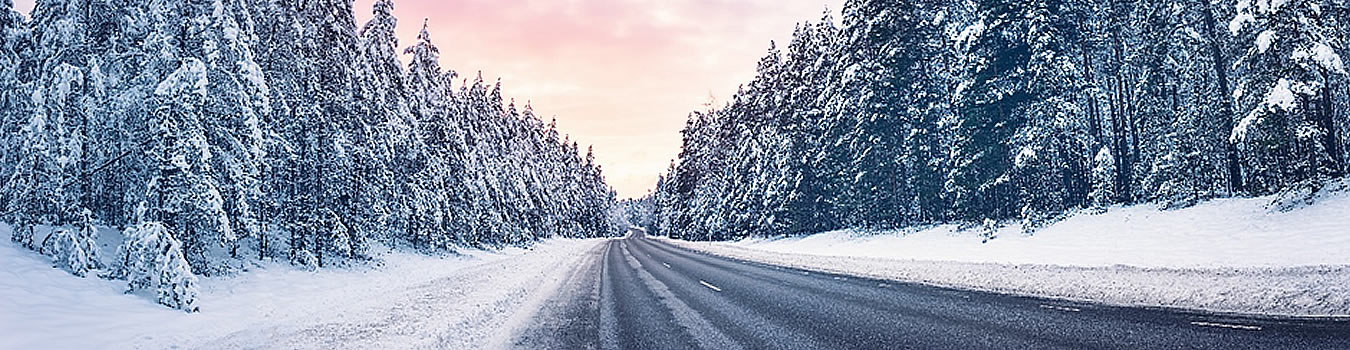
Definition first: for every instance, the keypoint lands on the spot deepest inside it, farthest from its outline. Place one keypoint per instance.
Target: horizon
(576, 61)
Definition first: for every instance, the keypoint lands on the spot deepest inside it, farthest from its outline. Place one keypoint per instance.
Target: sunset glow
(619, 74)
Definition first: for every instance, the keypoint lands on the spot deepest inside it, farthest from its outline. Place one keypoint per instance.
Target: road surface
(642, 293)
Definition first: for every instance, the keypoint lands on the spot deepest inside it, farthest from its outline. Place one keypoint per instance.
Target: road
(642, 293)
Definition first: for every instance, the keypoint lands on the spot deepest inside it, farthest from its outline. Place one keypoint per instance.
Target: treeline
(270, 129)
(996, 111)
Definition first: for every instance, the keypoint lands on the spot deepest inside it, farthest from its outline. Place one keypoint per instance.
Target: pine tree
(234, 125)
(152, 259)
(1103, 174)
(183, 196)
(15, 98)
(992, 110)
(981, 112)
(1287, 126)
(75, 250)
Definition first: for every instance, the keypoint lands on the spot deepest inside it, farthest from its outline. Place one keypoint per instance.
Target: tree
(182, 195)
(75, 250)
(1103, 172)
(236, 125)
(1287, 128)
(992, 110)
(152, 259)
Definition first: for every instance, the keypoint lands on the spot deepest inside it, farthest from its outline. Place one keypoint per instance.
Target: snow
(968, 35)
(1027, 154)
(1239, 22)
(1264, 40)
(1282, 96)
(1232, 255)
(409, 300)
(190, 77)
(1323, 55)
(1270, 6)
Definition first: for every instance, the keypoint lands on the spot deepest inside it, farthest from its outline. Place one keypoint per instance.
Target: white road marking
(1226, 325)
(710, 286)
(704, 333)
(1061, 308)
(667, 265)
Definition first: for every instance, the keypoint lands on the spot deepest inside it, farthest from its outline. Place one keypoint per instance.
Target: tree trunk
(1220, 64)
(1331, 138)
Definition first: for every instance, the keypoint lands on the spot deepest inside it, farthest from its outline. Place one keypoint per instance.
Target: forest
(212, 133)
(986, 113)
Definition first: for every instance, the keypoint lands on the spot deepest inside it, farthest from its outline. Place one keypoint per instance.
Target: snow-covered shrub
(74, 250)
(1307, 192)
(152, 259)
(22, 234)
(1103, 185)
(342, 243)
(305, 259)
(988, 230)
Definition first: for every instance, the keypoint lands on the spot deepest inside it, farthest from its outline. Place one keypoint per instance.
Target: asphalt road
(642, 293)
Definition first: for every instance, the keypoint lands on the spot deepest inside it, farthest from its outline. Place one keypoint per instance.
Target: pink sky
(619, 74)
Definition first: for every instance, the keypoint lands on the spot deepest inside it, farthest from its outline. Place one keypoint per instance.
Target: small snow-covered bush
(22, 235)
(306, 259)
(75, 250)
(988, 230)
(152, 259)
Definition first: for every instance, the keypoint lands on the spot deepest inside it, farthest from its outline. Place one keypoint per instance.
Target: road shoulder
(1314, 291)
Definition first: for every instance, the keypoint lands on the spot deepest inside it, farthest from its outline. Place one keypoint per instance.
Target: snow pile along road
(1232, 255)
(412, 301)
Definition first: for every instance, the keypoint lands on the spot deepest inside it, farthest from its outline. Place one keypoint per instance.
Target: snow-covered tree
(926, 112)
(1287, 127)
(152, 259)
(1103, 179)
(270, 126)
(182, 195)
(75, 250)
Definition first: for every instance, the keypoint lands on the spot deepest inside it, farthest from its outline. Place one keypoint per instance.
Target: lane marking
(1226, 325)
(667, 265)
(703, 332)
(710, 286)
(1061, 308)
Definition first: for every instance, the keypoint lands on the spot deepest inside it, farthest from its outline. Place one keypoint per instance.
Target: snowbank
(411, 301)
(1232, 255)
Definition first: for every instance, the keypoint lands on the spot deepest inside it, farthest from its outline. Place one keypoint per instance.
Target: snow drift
(1231, 255)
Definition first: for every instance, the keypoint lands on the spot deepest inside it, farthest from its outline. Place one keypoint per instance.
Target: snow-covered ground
(1234, 255)
(411, 301)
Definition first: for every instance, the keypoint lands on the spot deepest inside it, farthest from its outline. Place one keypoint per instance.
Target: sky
(621, 75)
